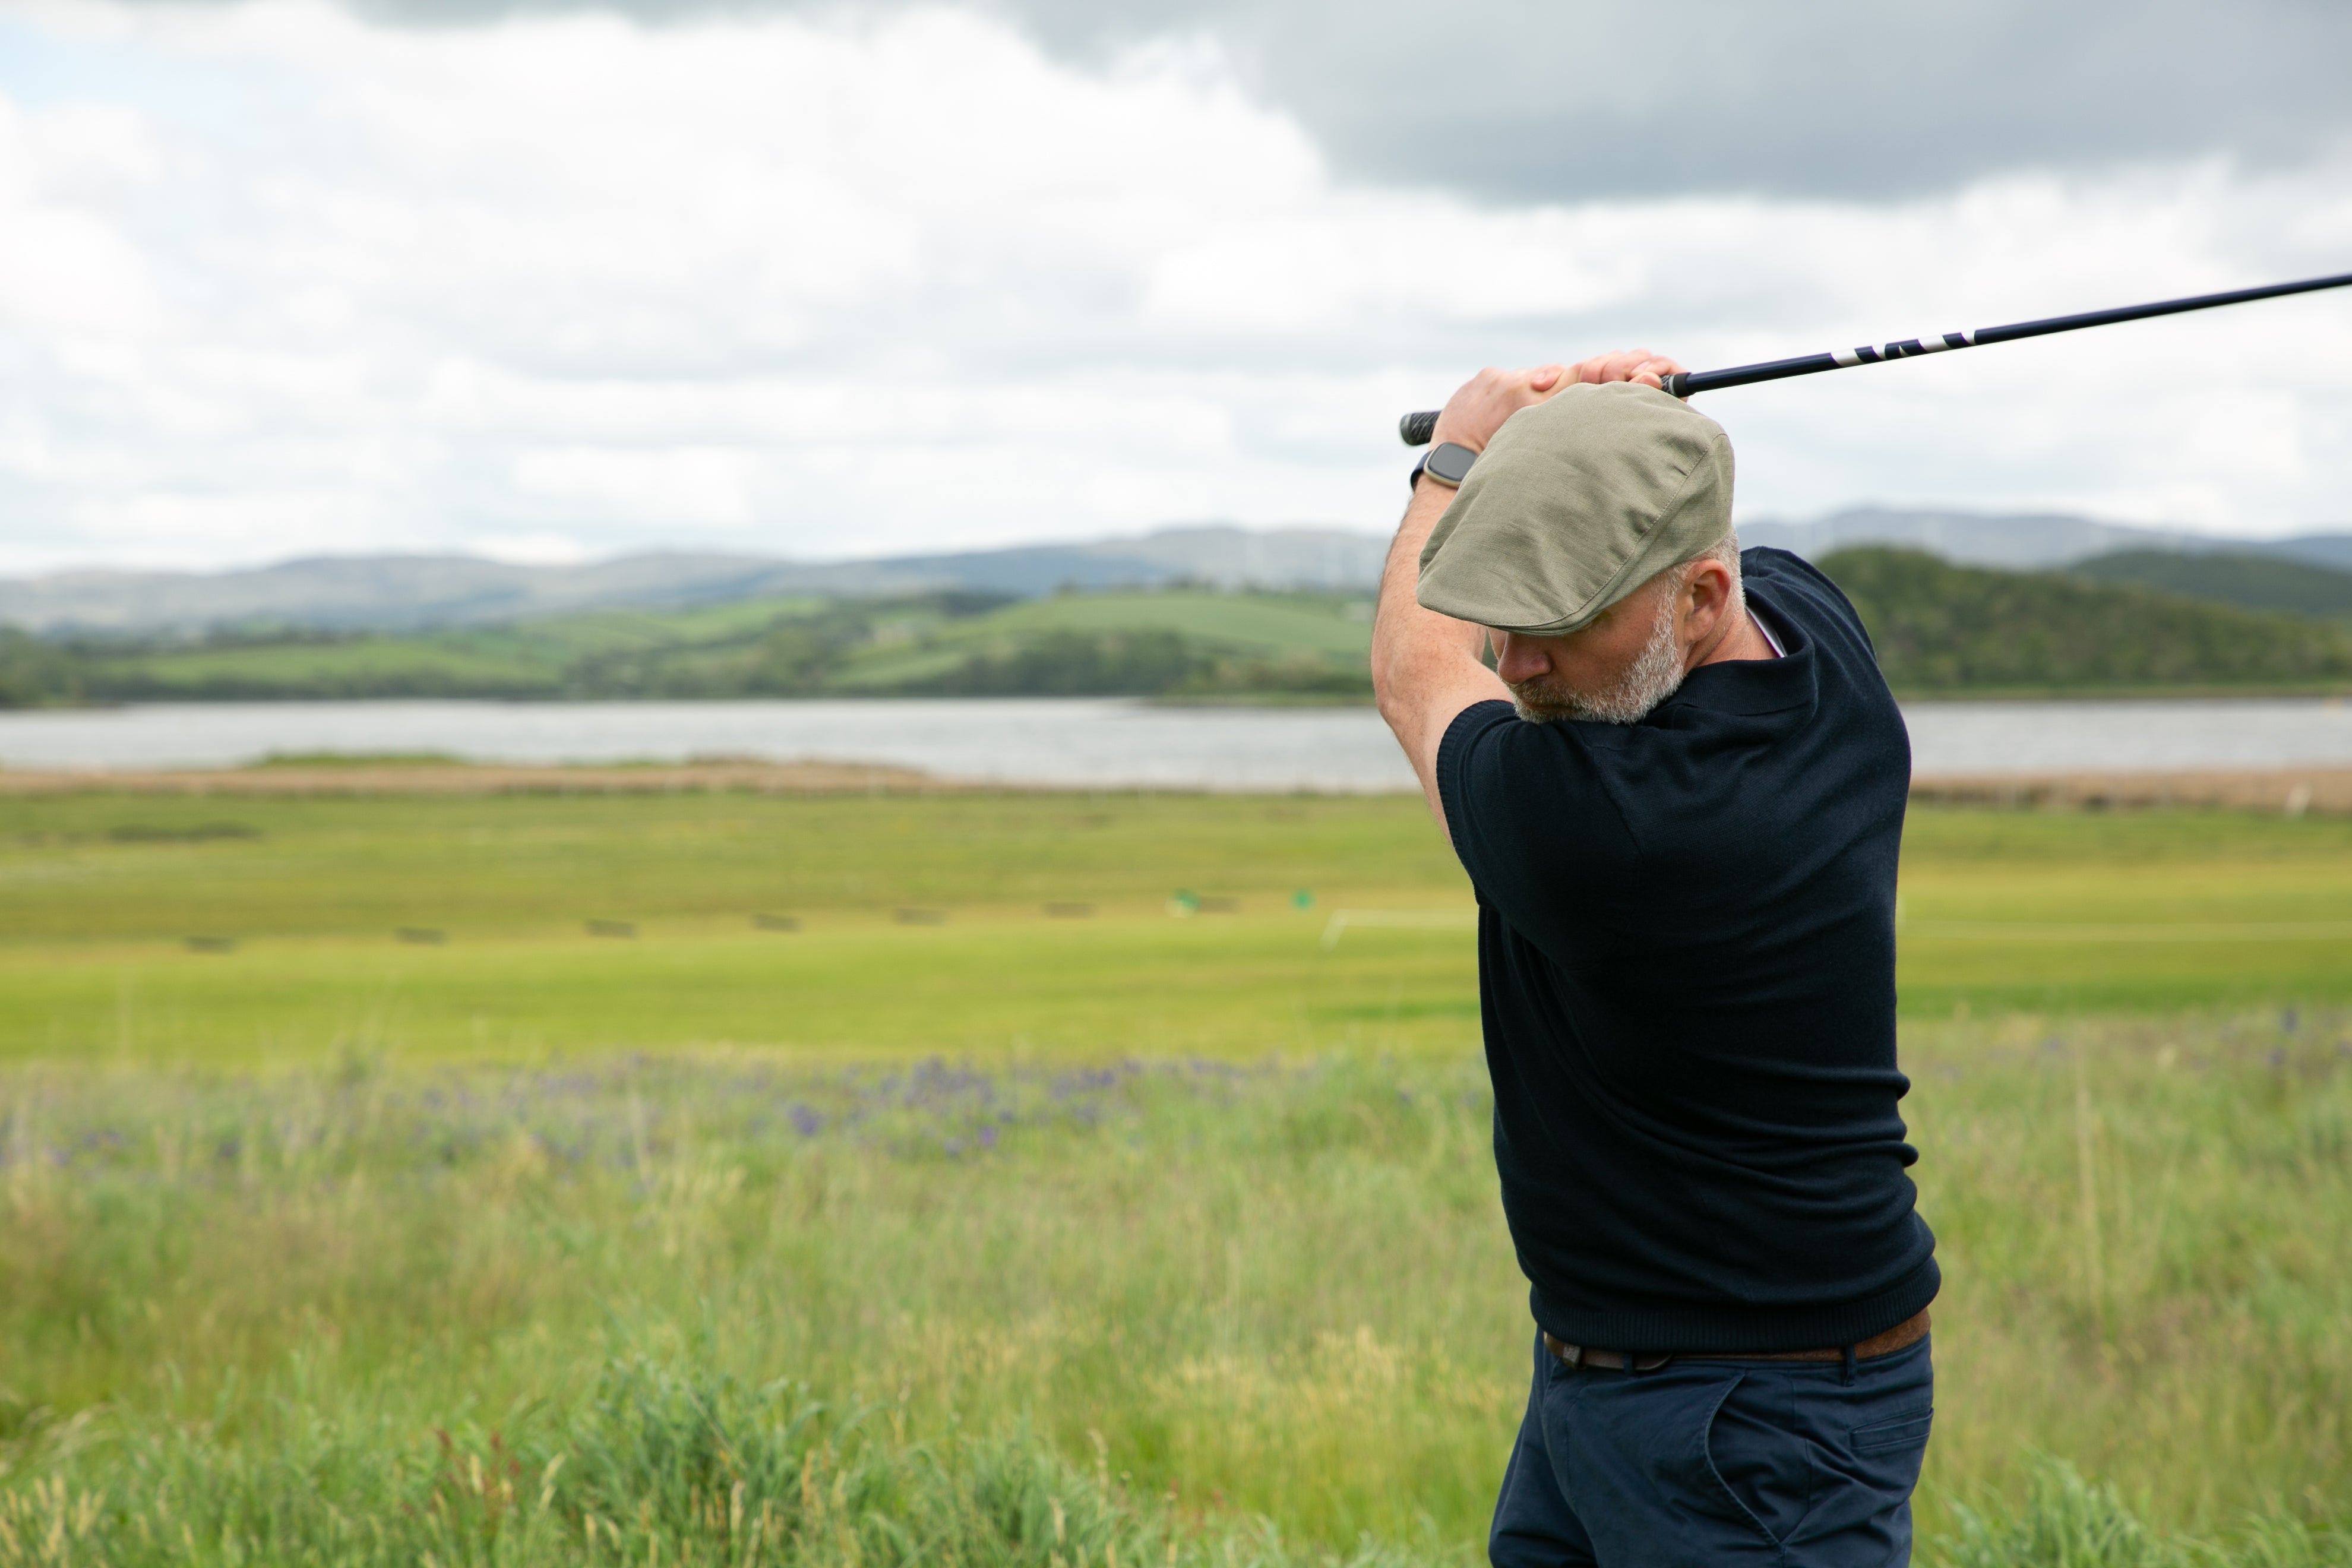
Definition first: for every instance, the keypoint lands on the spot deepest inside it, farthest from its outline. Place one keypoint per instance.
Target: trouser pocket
(1704, 1464)
(1756, 1460)
(1828, 1467)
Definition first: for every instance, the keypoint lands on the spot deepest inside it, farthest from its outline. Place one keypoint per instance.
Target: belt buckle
(1576, 1356)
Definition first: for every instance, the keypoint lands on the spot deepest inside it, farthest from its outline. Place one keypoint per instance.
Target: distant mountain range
(2025, 542)
(406, 592)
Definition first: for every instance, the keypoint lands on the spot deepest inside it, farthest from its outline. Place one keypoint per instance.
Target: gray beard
(1654, 675)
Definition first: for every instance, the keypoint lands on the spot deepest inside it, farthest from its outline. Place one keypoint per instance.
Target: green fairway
(2136, 912)
(923, 923)
(923, 926)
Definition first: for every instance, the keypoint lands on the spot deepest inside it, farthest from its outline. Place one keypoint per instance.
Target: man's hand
(1426, 667)
(1625, 364)
(1474, 413)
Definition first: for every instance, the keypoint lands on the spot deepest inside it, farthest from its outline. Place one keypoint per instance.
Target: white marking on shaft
(1846, 356)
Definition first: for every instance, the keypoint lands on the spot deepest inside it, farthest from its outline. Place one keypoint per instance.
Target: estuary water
(1098, 742)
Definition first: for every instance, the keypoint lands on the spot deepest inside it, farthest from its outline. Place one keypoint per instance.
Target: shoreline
(363, 777)
(2292, 791)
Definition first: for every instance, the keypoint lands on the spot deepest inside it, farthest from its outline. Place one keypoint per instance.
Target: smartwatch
(1448, 463)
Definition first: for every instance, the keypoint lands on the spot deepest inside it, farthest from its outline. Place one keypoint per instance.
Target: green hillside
(1938, 628)
(1182, 643)
(2252, 582)
(1193, 644)
(1945, 628)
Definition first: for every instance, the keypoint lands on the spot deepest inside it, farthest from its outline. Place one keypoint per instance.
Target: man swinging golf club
(1679, 795)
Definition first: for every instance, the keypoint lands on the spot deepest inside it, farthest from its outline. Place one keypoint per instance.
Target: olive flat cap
(1578, 501)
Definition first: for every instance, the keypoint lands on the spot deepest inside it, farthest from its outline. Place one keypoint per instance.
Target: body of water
(1098, 742)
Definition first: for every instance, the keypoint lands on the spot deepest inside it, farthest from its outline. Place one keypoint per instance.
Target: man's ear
(1710, 589)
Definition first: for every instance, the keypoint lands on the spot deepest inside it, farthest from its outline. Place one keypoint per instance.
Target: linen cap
(1578, 501)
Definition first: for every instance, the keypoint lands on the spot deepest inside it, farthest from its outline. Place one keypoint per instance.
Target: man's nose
(1516, 659)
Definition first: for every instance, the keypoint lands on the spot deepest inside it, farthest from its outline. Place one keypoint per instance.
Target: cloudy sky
(554, 280)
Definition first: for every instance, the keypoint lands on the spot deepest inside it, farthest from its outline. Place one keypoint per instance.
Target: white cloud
(529, 549)
(696, 486)
(274, 280)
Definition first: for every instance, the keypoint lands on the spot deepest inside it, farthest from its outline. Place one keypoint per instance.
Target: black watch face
(1452, 463)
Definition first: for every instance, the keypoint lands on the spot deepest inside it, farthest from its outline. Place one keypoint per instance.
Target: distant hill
(1939, 628)
(416, 593)
(2255, 582)
(1171, 643)
(406, 592)
(1945, 628)
(2018, 541)
(2023, 541)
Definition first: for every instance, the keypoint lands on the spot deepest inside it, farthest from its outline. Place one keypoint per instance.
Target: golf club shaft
(1415, 427)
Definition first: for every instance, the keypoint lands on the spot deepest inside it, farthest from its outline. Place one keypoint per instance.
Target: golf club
(1415, 427)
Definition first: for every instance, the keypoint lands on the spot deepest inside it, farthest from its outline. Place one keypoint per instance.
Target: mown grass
(2001, 911)
(99, 894)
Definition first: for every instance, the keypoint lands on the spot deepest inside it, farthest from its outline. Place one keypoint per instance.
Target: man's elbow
(1406, 688)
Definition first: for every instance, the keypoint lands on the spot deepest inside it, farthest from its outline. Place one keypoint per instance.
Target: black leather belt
(1902, 1336)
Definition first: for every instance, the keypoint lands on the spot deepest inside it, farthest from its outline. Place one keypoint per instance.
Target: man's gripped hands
(1474, 413)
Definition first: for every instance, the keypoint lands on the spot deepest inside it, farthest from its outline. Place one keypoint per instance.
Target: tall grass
(1249, 1314)
(655, 1465)
(660, 1465)
(1198, 1262)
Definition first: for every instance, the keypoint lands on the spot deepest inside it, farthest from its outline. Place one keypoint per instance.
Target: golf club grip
(1416, 429)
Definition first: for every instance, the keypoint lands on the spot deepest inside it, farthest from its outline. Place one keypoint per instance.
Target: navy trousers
(1717, 1461)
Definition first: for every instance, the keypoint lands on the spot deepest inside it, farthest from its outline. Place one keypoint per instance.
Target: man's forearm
(1406, 638)
(1426, 667)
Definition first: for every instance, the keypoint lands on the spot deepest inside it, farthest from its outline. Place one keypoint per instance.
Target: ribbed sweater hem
(1733, 1327)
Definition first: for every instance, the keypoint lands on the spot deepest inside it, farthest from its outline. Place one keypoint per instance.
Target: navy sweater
(1686, 972)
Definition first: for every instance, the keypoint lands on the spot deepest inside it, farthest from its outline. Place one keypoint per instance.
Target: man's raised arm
(1426, 667)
